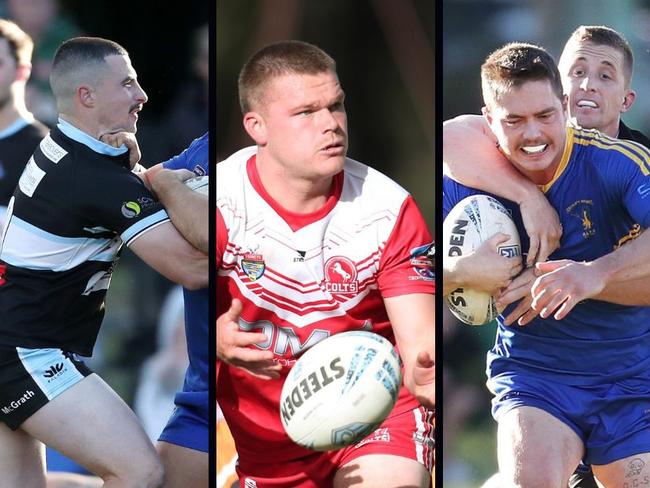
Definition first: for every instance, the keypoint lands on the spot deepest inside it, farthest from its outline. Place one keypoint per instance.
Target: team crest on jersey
(253, 265)
(582, 211)
(341, 276)
(422, 260)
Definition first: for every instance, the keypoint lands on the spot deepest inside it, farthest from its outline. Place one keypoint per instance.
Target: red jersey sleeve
(407, 263)
(222, 238)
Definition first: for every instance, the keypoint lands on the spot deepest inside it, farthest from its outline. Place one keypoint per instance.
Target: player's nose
(586, 83)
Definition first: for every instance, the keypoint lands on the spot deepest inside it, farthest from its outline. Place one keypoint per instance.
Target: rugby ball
(199, 184)
(470, 223)
(340, 390)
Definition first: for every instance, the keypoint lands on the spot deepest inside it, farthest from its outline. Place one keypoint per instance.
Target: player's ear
(86, 95)
(23, 71)
(256, 127)
(628, 100)
(486, 113)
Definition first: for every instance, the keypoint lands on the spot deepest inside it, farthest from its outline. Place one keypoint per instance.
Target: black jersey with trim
(15, 151)
(69, 216)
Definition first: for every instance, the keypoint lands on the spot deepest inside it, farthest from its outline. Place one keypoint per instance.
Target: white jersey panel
(320, 271)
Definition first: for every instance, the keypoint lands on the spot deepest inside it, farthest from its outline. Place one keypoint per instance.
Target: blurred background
(169, 51)
(471, 30)
(384, 55)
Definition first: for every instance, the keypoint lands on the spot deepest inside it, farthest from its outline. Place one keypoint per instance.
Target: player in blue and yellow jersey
(561, 395)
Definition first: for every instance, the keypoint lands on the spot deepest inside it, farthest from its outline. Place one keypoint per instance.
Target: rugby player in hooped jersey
(573, 383)
(311, 243)
(77, 203)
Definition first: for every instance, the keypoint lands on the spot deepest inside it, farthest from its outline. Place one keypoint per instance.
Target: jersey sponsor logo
(422, 260)
(643, 190)
(253, 265)
(51, 150)
(31, 178)
(131, 209)
(341, 276)
(282, 339)
(508, 251)
(7, 409)
(54, 371)
(581, 210)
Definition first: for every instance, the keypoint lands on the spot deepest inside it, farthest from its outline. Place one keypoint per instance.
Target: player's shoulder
(603, 149)
(364, 181)
(235, 163)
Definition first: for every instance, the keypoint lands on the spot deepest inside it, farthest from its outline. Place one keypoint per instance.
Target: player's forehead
(120, 66)
(303, 89)
(529, 98)
(585, 52)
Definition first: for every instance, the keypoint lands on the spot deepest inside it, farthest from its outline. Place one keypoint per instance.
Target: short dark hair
(80, 59)
(515, 64)
(20, 44)
(285, 57)
(602, 35)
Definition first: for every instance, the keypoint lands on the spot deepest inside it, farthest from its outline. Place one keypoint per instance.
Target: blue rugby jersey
(600, 192)
(195, 158)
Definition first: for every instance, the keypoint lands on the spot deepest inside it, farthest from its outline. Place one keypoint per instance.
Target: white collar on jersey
(87, 140)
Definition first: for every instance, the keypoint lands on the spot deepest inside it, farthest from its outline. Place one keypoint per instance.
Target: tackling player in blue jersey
(183, 444)
(573, 383)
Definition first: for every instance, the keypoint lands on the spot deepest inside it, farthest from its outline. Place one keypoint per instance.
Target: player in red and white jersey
(311, 243)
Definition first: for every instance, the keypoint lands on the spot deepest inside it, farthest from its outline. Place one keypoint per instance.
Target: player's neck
(295, 194)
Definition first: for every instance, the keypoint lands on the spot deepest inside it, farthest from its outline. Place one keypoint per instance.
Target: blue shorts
(612, 419)
(188, 424)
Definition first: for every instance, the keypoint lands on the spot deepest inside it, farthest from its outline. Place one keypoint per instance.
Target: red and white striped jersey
(304, 277)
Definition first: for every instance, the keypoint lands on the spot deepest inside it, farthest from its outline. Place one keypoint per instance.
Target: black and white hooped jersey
(76, 203)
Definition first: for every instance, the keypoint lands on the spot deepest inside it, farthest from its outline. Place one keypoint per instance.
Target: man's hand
(485, 269)
(424, 377)
(564, 284)
(542, 226)
(519, 289)
(117, 139)
(233, 346)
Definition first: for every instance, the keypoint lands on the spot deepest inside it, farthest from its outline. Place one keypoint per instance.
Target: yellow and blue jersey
(601, 191)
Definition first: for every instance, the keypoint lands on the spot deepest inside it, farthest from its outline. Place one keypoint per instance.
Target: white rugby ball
(199, 184)
(340, 390)
(470, 223)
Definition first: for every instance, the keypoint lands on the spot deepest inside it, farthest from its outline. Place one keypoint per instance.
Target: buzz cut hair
(78, 61)
(281, 58)
(513, 65)
(601, 35)
(20, 43)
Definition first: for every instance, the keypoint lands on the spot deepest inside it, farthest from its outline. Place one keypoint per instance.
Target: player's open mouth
(533, 150)
(134, 111)
(587, 104)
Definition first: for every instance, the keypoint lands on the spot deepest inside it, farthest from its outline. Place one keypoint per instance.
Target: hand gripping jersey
(195, 158)
(304, 277)
(76, 203)
(600, 192)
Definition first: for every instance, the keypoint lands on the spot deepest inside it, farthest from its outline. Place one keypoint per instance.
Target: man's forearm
(188, 210)
(471, 157)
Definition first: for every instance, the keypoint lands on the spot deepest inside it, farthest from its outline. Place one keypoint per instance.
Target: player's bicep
(165, 250)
